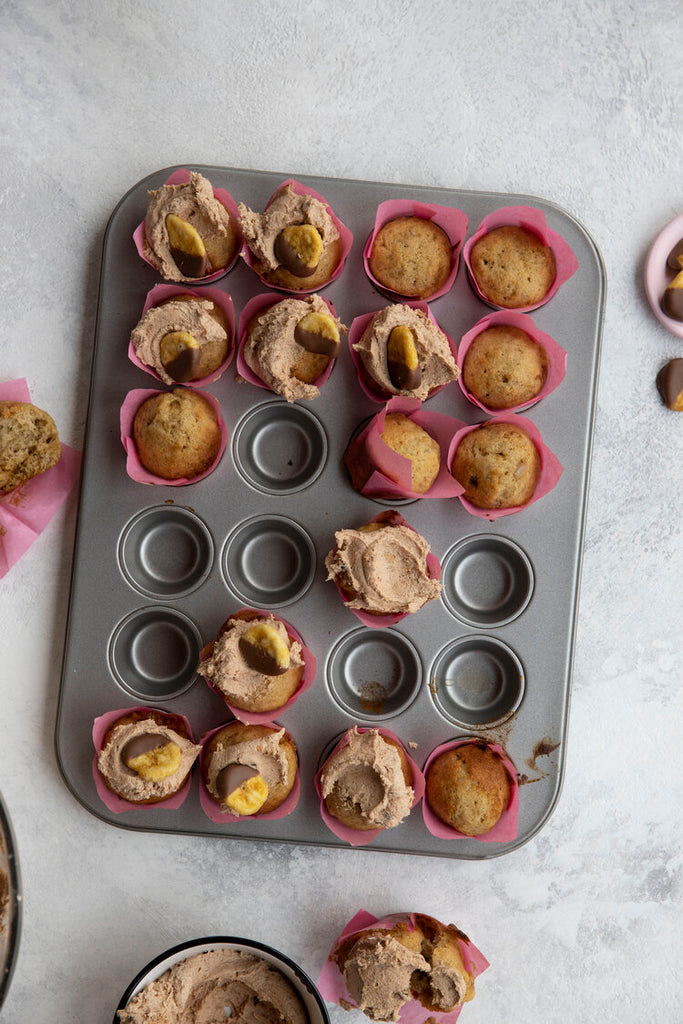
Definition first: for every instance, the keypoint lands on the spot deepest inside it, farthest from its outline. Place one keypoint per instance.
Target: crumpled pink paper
(433, 571)
(213, 810)
(533, 219)
(448, 218)
(259, 304)
(351, 835)
(505, 828)
(557, 356)
(331, 983)
(358, 326)
(180, 177)
(551, 467)
(27, 510)
(115, 803)
(344, 234)
(136, 471)
(161, 293)
(388, 474)
(310, 668)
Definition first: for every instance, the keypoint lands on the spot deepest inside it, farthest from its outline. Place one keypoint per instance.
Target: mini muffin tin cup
(158, 569)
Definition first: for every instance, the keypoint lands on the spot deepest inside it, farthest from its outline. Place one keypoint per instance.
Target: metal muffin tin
(157, 569)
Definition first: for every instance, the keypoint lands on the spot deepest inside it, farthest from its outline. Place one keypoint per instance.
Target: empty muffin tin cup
(154, 653)
(165, 552)
(374, 674)
(280, 448)
(269, 561)
(477, 682)
(487, 580)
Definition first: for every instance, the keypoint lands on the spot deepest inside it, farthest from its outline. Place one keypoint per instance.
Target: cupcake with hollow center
(249, 769)
(183, 339)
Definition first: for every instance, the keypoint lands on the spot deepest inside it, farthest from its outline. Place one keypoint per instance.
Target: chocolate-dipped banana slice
(241, 788)
(151, 757)
(264, 650)
(672, 300)
(187, 248)
(670, 384)
(299, 248)
(673, 260)
(180, 355)
(318, 333)
(403, 362)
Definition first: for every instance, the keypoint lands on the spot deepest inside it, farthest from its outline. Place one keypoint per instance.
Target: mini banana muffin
(146, 756)
(504, 367)
(512, 267)
(409, 439)
(29, 443)
(177, 434)
(183, 339)
(498, 464)
(253, 662)
(249, 769)
(411, 256)
(468, 788)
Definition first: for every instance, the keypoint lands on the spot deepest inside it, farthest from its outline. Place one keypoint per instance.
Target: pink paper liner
(310, 668)
(557, 356)
(180, 177)
(551, 467)
(505, 828)
(532, 219)
(449, 218)
(213, 811)
(259, 304)
(658, 275)
(356, 330)
(369, 451)
(136, 471)
(384, 621)
(351, 835)
(116, 803)
(160, 293)
(344, 234)
(29, 508)
(331, 983)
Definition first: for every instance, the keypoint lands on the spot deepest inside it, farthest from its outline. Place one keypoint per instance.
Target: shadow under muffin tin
(157, 570)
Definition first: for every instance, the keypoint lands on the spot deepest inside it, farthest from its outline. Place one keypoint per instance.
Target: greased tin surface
(158, 569)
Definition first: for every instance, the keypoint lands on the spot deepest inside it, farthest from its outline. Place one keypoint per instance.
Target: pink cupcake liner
(532, 219)
(28, 509)
(352, 835)
(551, 467)
(356, 330)
(259, 304)
(310, 668)
(505, 829)
(180, 177)
(384, 621)
(388, 473)
(136, 471)
(212, 809)
(344, 234)
(116, 803)
(161, 293)
(449, 218)
(331, 983)
(557, 356)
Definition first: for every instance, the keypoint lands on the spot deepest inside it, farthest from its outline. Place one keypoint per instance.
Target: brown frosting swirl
(366, 774)
(261, 230)
(227, 669)
(124, 780)
(377, 973)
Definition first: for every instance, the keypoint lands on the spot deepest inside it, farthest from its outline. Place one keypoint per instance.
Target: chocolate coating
(672, 258)
(142, 745)
(670, 384)
(259, 660)
(402, 376)
(289, 258)
(185, 366)
(312, 341)
(231, 778)
(672, 303)
(190, 264)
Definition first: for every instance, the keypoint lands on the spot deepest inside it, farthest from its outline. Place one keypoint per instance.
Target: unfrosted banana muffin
(177, 434)
(29, 443)
(498, 464)
(411, 256)
(512, 267)
(468, 788)
(249, 769)
(504, 367)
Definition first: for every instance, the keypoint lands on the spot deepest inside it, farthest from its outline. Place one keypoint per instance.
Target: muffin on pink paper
(288, 346)
(383, 570)
(401, 350)
(143, 758)
(367, 784)
(401, 453)
(184, 336)
(503, 465)
(406, 967)
(171, 437)
(191, 230)
(472, 791)
(414, 248)
(258, 664)
(515, 261)
(507, 363)
(298, 243)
